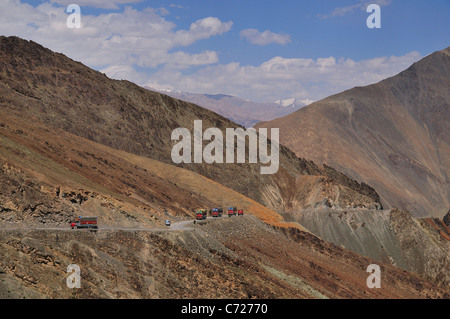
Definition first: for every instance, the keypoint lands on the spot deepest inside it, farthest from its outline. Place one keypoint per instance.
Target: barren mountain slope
(393, 135)
(49, 176)
(226, 258)
(394, 237)
(49, 87)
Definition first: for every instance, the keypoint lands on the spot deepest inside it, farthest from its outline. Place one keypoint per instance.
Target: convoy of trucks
(218, 212)
(201, 214)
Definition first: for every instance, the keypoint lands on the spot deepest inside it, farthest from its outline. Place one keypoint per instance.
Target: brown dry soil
(50, 176)
(391, 236)
(222, 258)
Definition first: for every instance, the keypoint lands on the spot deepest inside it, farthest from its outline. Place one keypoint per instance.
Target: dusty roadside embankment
(239, 257)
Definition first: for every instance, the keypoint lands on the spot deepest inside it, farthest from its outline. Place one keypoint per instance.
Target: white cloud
(131, 37)
(183, 60)
(108, 4)
(163, 11)
(281, 78)
(362, 5)
(202, 29)
(178, 6)
(263, 38)
(129, 43)
(123, 72)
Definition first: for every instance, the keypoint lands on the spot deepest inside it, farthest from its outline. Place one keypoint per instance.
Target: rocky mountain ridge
(393, 135)
(39, 84)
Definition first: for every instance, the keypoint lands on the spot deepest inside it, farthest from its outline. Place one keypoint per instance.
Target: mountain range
(393, 135)
(38, 83)
(75, 143)
(242, 111)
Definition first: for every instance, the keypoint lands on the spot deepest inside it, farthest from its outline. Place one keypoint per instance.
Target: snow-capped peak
(293, 102)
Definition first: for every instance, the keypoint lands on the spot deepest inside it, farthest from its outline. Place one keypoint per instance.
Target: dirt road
(185, 225)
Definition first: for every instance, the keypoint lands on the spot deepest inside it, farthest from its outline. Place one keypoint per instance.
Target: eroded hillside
(74, 143)
(38, 84)
(391, 236)
(393, 135)
(216, 259)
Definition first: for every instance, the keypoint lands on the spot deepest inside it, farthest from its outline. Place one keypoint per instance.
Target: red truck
(240, 212)
(84, 222)
(232, 211)
(201, 214)
(215, 212)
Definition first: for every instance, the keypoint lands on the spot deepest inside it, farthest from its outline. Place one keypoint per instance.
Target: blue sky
(257, 49)
(407, 25)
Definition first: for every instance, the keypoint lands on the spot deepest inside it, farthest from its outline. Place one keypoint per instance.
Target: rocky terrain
(393, 135)
(217, 259)
(38, 84)
(50, 176)
(73, 142)
(446, 219)
(390, 236)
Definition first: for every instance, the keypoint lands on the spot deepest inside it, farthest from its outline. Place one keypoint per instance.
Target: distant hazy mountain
(242, 111)
(393, 135)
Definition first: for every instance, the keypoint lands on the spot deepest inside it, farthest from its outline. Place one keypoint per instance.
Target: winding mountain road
(184, 225)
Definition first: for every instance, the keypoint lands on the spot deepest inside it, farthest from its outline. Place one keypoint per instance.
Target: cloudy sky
(263, 50)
